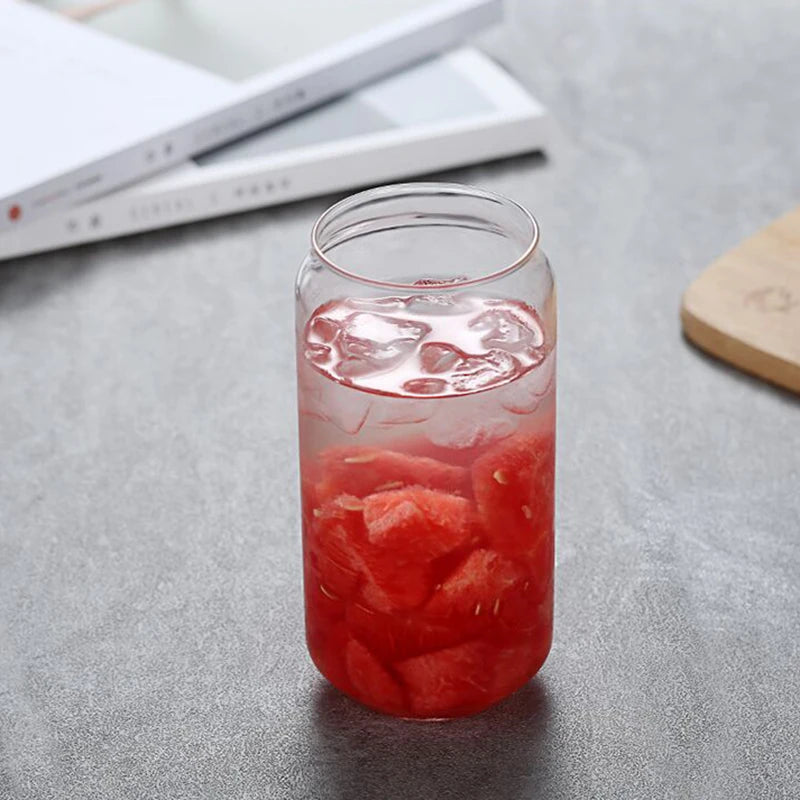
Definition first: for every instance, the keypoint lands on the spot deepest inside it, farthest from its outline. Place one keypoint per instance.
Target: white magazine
(453, 110)
(86, 112)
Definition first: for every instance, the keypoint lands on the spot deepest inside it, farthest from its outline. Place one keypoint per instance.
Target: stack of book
(129, 115)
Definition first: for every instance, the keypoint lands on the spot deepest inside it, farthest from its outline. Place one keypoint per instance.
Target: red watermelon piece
(515, 665)
(478, 589)
(323, 609)
(406, 531)
(394, 637)
(523, 638)
(360, 471)
(513, 485)
(418, 524)
(395, 586)
(329, 658)
(447, 682)
(333, 540)
(372, 682)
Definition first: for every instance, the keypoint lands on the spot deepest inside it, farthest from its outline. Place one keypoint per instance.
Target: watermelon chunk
(513, 485)
(418, 524)
(406, 531)
(516, 664)
(541, 561)
(447, 682)
(394, 637)
(478, 589)
(322, 607)
(371, 681)
(329, 657)
(392, 586)
(332, 545)
(360, 471)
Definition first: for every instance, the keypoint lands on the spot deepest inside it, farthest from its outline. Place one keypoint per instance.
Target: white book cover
(152, 82)
(452, 110)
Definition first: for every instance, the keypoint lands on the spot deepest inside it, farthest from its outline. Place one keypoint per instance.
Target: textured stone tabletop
(150, 607)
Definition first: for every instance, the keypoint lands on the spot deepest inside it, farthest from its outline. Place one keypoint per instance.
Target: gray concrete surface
(150, 606)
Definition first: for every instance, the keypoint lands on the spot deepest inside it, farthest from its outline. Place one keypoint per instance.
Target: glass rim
(423, 187)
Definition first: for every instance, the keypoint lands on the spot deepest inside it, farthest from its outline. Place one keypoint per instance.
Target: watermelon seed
(526, 586)
(327, 593)
(496, 607)
(385, 487)
(500, 477)
(317, 512)
(437, 587)
(350, 504)
(477, 609)
(362, 459)
(528, 514)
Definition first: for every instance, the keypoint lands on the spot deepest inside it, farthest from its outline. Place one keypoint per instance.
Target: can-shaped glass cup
(426, 334)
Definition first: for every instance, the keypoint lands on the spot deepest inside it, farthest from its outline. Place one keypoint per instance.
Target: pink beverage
(427, 433)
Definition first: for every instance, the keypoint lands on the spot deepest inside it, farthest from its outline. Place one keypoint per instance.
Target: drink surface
(427, 445)
(425, 345)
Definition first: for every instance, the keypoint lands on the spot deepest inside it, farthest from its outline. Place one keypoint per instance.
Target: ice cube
(504, 329)
(390, 411)
(476, 372)
(372, 343)
(468, 372)
(478, 425)
(439, 304)
(437, 357)
(323, 329)
(318, 353)
(523, 395)
(345, 407)
(379, 305)
(425, 386)
(380, 337)
(309, 402)
(355, 367)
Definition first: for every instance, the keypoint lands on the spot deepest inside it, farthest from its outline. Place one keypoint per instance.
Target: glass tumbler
(426, 333)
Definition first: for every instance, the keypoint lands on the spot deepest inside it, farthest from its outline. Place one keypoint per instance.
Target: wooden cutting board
(745, 308)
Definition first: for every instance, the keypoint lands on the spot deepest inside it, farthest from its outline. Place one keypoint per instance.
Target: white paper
(70, 95)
